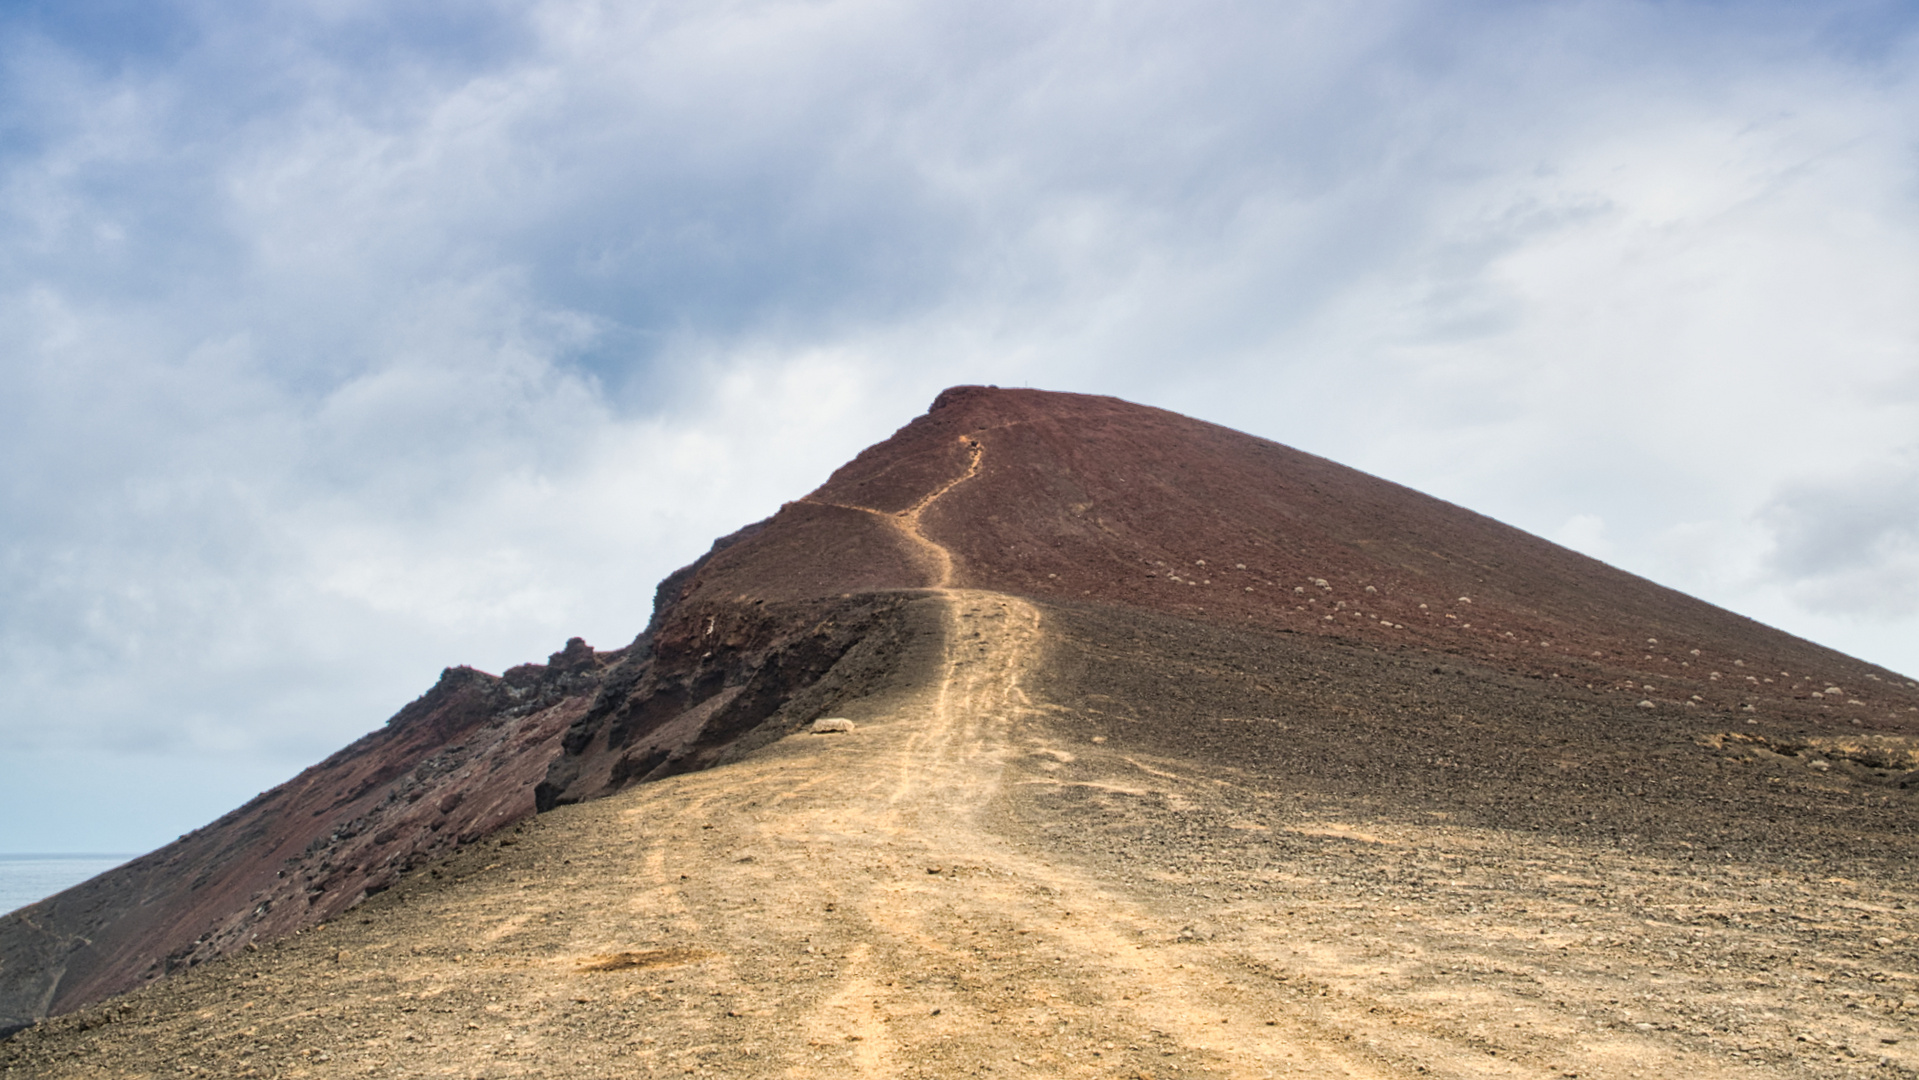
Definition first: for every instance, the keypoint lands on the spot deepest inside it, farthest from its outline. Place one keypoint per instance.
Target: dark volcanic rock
(720, 681)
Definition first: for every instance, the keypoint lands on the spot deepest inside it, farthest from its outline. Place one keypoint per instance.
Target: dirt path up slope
(839, 905)
(814, 909)
(961, 886)
(915, 898)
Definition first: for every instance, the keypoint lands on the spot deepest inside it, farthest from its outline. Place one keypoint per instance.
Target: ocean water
(26, 878)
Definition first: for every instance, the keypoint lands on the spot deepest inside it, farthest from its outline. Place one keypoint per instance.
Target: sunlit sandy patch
(643, 959)
(1339, 832)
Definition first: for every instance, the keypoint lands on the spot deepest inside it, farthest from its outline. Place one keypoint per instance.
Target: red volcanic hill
(1082, 503)
(1092, 500)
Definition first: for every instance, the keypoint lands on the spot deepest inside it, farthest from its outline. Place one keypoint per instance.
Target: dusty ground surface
(1062, 844)
(1345, 648)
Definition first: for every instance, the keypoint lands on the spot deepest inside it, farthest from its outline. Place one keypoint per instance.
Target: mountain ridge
(1062, 499)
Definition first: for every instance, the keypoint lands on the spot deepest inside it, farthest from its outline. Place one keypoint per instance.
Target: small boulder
(829, 725)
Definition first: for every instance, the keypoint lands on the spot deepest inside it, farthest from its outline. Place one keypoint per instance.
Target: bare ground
(977, 882)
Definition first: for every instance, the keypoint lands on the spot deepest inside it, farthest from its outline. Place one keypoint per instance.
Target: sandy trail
(927, 907)
(912, 934)
(909, 519)
(876, 903)
(932, 555)
(916, 935)
(838, 905)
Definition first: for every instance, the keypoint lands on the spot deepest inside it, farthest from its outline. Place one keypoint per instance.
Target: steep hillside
(1216, 600)
(1069, 497)
(451, 767)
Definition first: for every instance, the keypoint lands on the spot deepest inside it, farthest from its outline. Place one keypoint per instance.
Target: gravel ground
(1089, 842)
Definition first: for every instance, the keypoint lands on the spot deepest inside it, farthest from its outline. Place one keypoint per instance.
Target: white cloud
(1584, 533)
(1849, 546)
(344, 342)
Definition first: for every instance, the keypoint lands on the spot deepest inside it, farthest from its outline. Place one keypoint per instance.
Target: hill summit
(1137, 720)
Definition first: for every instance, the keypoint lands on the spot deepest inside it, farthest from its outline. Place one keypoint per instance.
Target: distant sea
(26, 878)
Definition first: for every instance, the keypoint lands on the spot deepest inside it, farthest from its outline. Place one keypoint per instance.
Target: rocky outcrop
(722, 680)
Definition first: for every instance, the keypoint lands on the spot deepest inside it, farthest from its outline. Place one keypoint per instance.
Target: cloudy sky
(344, 340)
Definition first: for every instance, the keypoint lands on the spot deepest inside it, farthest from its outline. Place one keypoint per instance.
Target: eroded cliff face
(719, 680)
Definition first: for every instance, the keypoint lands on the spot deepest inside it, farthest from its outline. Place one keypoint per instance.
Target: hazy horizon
(27, 878)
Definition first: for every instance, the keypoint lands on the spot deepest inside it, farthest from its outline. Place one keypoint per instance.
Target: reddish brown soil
(1081, 497)
(453, 766)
